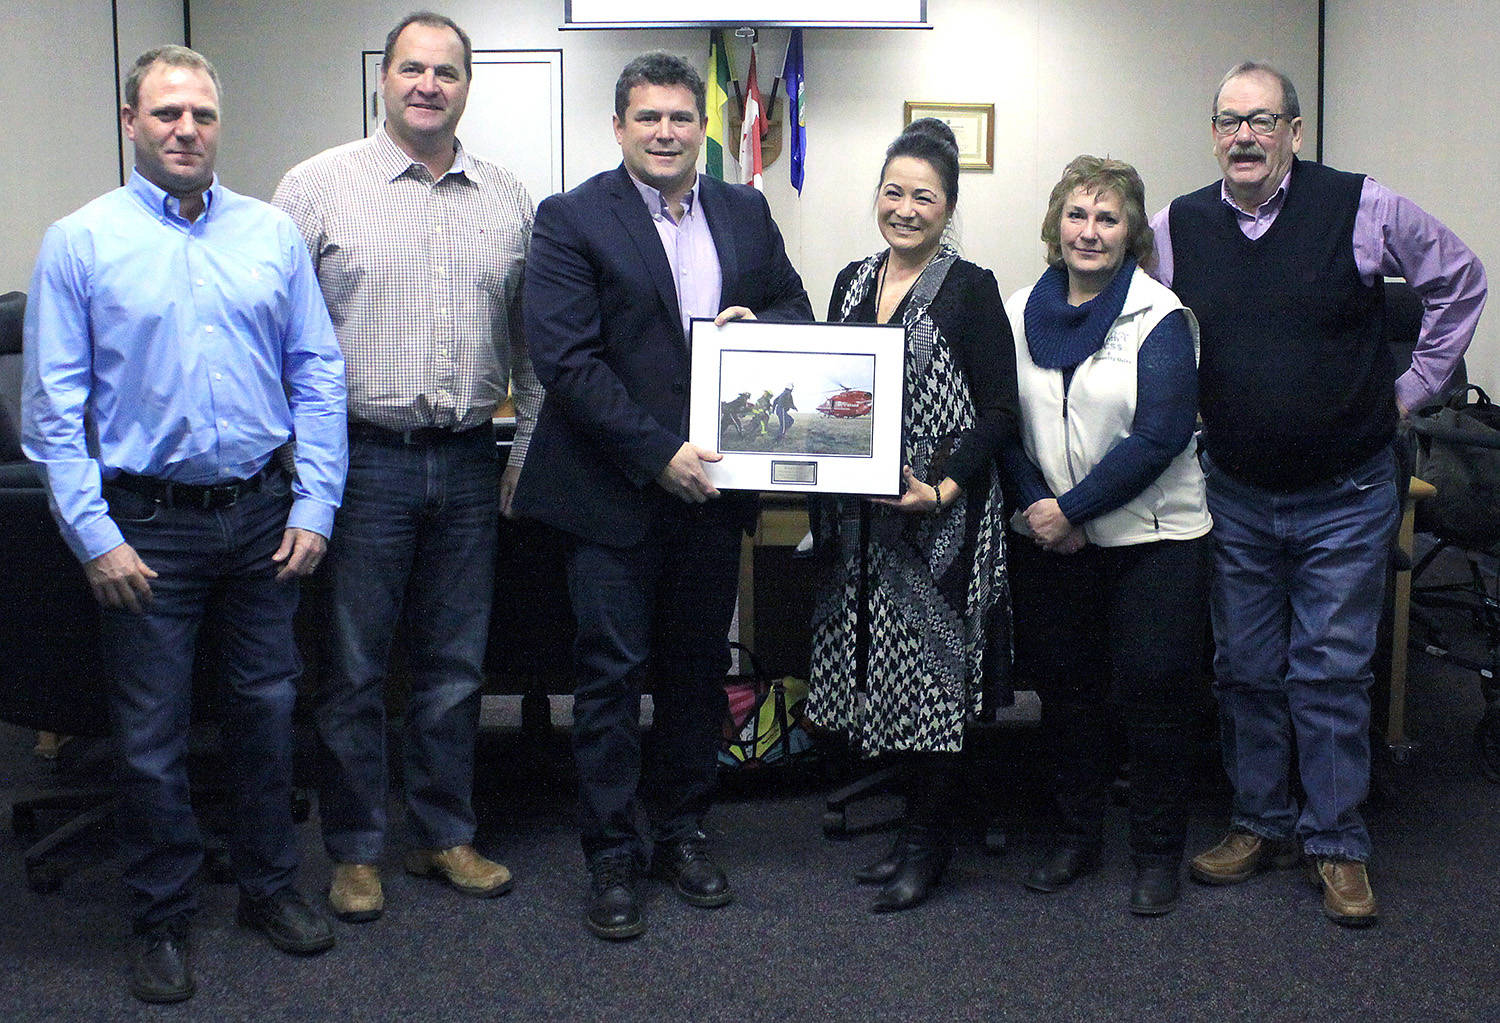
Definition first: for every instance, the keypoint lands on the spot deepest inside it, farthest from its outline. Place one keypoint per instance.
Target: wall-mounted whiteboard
(808, 13)
(514, 97)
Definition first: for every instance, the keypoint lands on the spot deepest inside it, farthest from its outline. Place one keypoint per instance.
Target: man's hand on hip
(684, 477)
(120, 579)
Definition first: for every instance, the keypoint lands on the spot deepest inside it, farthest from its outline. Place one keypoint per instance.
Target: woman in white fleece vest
(1110, 570)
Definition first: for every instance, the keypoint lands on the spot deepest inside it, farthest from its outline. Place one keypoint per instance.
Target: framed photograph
(799, 407)
(973, 125)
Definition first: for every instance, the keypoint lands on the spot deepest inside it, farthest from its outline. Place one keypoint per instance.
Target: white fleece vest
(1066, 435)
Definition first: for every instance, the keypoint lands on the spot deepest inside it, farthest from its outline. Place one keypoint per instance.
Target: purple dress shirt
(1393, 237)
(690, 252)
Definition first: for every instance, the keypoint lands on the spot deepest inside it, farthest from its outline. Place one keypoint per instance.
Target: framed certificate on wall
(973, 127)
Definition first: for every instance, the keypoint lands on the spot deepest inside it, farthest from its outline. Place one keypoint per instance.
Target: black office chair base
(43, 873)
(836, 809)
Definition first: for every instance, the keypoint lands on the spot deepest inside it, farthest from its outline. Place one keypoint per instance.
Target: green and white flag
(718, 98)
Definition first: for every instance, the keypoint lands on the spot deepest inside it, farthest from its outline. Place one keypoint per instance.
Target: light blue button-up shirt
(184, 350)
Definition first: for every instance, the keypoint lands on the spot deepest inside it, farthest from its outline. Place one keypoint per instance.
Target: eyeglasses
(1261, 124)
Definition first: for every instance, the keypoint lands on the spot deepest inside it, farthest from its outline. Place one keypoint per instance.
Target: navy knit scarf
(1060, 335)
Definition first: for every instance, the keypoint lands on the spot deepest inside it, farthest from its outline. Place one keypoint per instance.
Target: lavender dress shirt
(691, 252)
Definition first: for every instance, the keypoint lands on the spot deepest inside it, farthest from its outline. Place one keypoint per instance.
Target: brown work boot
(1240, 856)
(1347, 897)
(355, 894)
(461, 867)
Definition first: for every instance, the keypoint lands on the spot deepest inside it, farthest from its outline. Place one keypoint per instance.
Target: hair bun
(931, 127)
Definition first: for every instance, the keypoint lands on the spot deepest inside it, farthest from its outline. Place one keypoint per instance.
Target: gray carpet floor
(798, 943)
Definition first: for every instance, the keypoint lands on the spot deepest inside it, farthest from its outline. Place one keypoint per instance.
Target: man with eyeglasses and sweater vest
(1283, 262)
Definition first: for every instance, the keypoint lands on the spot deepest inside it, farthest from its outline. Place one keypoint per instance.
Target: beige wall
(58, 107)
(1129, 78)
(60, 103)
(1409, 97)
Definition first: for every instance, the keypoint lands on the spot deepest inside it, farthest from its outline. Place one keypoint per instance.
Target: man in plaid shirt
(419, 248)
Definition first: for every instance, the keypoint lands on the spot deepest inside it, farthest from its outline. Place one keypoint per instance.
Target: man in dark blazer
(618, 266)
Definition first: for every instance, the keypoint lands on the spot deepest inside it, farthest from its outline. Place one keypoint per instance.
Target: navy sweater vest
(1294, 379)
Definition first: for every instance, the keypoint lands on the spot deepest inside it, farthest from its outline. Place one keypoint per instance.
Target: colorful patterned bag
(765, 722)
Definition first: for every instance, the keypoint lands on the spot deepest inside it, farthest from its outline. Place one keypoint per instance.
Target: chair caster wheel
(23, 822)
(835, 823)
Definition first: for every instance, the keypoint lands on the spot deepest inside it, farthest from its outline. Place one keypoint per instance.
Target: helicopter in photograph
(847, 403)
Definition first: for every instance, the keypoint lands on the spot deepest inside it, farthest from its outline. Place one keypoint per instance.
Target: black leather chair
(50, 677)
(1459, 452)
(1420, 590)
(531, 627)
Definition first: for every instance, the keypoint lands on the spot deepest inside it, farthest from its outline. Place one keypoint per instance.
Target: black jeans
(1115, 631)
(652, 617)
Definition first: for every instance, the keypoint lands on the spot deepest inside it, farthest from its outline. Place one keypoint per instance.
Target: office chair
(50, 676)
(1459, 446)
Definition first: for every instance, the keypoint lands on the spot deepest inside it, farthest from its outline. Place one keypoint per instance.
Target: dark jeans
(414, 542)
(1115, 630)
(1297, 599)
(654, 616)
(218, 563)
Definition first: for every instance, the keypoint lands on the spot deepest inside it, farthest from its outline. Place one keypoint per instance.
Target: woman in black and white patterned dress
(911, 629)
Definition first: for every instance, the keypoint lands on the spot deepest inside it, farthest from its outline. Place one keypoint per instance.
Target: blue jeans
(414, 541)
(219, 563)
(658, 611)
(1296, 603)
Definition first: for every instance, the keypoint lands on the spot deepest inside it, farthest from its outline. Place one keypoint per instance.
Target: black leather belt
(204, 497)
(422, 435)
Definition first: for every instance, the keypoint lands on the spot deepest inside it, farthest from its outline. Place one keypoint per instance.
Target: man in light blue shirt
(175, 343)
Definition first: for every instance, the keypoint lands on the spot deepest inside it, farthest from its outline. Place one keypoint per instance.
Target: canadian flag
(753, 128)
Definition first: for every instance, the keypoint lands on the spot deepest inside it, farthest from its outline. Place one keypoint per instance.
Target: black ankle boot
(1155, 890)
(924, 856)
(1062, 866)
(883, 869)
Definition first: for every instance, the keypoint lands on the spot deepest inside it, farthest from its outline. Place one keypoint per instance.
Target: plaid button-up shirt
(423, 282)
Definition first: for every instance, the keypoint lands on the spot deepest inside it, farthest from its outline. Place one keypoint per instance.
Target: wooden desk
(1395, 729)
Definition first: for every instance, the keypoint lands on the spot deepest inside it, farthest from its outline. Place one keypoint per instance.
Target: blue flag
(796, 111)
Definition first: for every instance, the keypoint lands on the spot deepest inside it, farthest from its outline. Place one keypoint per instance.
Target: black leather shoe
(1155, 890)
(289, 921)
(883, 869)
(696, 877)
(615, 904)
(1063, 865)
(924, 856)
(160, 970)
